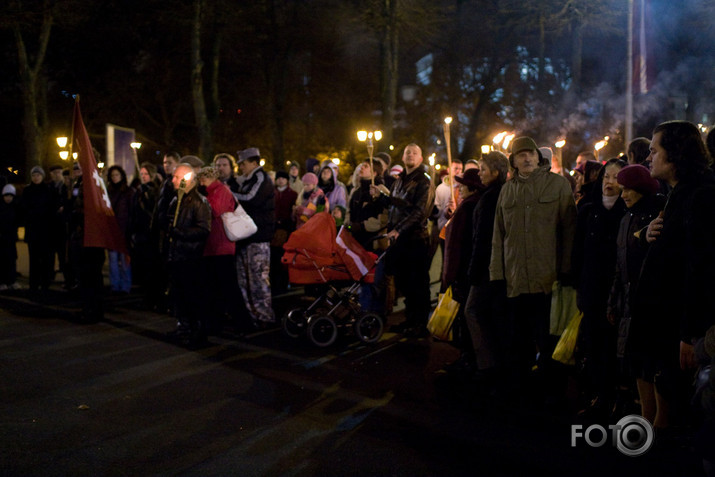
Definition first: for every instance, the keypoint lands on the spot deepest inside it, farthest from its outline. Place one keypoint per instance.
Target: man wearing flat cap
(256, 196)
(531, 248)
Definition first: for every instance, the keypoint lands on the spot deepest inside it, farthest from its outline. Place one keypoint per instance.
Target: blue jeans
(120, 272)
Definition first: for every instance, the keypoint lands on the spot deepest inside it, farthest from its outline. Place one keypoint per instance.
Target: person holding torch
(190, 225)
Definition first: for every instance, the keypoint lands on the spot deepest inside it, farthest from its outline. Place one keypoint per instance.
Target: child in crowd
(310, 201)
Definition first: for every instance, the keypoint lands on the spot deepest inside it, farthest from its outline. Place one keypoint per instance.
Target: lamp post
(367, 137)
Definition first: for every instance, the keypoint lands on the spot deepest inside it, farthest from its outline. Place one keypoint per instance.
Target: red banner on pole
(100, 225)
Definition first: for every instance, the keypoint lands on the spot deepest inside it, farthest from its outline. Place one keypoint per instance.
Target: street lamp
(367, 137)
(62, 141)
(64, 155)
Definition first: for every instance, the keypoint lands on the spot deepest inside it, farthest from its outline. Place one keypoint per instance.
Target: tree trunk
(389, 49)
(33, 93)
(197, 86)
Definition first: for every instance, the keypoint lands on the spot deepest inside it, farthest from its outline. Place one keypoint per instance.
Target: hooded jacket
(534, 227)
(337, 195)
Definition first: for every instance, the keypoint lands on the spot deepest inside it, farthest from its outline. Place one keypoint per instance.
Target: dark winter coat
(630, 252)
(363, 207)
(458, 247)
(594, 253)
(187, 238)
(673, 299)
(122, 199)
(483, 222)
(255, 193)
(39, 204)
(411, 199)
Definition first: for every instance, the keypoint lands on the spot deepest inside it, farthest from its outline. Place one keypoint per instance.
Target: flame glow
(560, 143)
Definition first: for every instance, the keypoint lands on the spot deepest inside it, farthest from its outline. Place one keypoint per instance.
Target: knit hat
(38, 170)
(193, 161)
(310, 178)
(470, 178)
(9, 189)
(248, 153)
(546, 152)
(282, 174)
(294, 164)
(637, 177)
(396, 169)
(524, 143)
(385, 158)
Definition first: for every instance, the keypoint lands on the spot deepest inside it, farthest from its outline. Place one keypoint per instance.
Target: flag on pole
(643, 65)
(100, 225)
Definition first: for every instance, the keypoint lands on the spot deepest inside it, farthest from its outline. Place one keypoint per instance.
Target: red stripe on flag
(100, 225)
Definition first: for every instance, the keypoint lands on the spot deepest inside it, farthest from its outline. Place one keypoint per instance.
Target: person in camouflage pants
(255, 194)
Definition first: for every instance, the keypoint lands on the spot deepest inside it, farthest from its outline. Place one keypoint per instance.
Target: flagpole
(629, 78)
(76, 103)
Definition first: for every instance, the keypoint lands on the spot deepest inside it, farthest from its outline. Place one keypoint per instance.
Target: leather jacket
(193, 225)
(411, 199)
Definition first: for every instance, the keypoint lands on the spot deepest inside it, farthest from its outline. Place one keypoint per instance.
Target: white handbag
(238, 224)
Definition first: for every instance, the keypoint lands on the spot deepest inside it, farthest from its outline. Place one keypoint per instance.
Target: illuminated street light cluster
(64, 153)
(367, 137)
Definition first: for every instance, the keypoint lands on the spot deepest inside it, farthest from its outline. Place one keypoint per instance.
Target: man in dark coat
(672, 304)
(39, 206)
(410, 201)
(188, 225)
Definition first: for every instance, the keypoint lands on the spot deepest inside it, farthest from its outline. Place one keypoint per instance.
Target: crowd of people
(633, 235)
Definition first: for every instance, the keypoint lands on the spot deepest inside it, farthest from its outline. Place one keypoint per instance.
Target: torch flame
(560, 143)
(507, 140)
(498, 138)
(188, 175)
(448, 120)
(599, 145)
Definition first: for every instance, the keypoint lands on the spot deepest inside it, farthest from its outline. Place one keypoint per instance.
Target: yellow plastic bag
(440, 323)
(564, 351)
(563, 307)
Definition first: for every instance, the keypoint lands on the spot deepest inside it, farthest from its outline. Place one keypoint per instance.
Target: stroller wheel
(294, 323)
(369, 327)
(322, 330)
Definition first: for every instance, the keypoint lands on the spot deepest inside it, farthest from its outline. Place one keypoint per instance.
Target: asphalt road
(118, 398)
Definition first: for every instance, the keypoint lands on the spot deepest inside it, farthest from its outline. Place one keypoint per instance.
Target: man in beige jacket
(531, 248)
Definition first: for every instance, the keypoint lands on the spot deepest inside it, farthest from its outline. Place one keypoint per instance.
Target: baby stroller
(317, 254)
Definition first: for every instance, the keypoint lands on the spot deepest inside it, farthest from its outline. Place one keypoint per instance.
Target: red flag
(100, 225)
(357, 260)
(643, 64)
